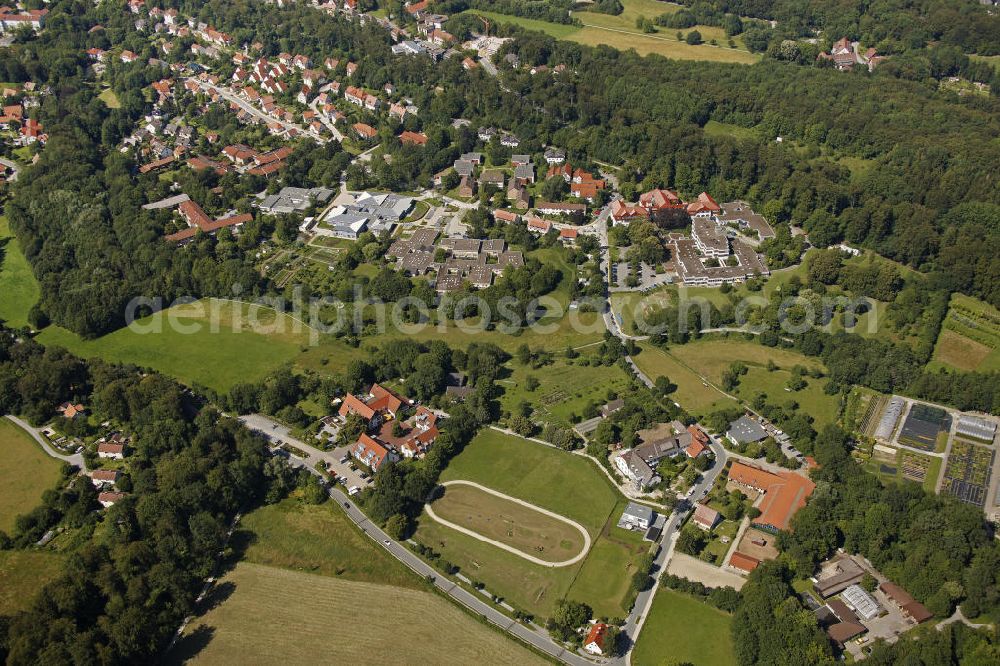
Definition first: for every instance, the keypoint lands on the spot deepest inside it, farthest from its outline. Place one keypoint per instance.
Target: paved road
(73, 459)
(228, 95)
(13, 166)
(326, 121)
(520, 553)
(534, 636)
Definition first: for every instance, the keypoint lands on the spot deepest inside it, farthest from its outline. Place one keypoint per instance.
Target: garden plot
(967, 474)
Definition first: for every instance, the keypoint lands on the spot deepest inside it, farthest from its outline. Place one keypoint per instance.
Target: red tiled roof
(385, 400)
(743, 562)
(596, 635)
(784, 493)
(416, 138)
(108, 447)
(695, 449)
(353, 405)
(104, 474)
(568, 233)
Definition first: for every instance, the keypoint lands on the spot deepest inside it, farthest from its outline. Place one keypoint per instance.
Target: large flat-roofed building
(709, 238)
(294, 199)
(742, 215)
(369, 212)
(692, 270)
(837, 575)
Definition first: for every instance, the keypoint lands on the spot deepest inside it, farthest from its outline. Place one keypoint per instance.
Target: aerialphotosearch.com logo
(364, 315)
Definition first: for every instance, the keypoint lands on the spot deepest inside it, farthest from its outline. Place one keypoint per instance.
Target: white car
(353, 490)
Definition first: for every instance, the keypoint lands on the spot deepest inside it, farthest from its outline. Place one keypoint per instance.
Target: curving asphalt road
(510, 549)
(73, 459)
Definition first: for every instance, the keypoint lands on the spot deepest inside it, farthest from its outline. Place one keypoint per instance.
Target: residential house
(71, 410)
(594, 643)
(109, 498)
(371, 453)
(364, 131)
(636, 517)
(705, 517)
(112, 450)
(413, 138)
(555, 155)
(104, 477)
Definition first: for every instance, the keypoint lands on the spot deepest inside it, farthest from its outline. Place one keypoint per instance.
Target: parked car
(354, 490)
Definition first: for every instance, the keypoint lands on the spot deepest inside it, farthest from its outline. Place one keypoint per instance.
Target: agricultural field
(970, 337)
(564, 388)
(242, 348)
(561, 482)
(17, 283)
(687, 630)
(862, 410)
(25, 473)
(967, 473)
(904, 465)
(521, 527)
(261, 614)
(318, 540)
(620, 32)
(22, 574)
(925, 428)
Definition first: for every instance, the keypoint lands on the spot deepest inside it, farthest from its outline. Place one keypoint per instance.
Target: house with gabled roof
(371, 453)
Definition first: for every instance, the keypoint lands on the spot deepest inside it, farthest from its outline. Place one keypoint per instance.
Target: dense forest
(124, 592)
(892, 26)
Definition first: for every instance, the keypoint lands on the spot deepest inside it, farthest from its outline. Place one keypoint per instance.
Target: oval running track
(503, 546)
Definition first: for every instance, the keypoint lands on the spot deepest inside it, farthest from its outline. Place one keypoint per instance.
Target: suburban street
(228, 95)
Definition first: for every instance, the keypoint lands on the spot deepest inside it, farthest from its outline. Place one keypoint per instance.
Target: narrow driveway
(73, 459)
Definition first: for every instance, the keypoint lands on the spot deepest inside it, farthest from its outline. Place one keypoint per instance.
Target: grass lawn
(710, 358)
(563, 389)
(25, 473)
(516, 525)
(812, 400)
(17, 283)
(110, 99)
(993, 60)
(561, 482)
(319, 540)
(715, 128)
(239, 350)
(620, 32)
(692, 393)
(22, 575)
(631, 306)
(686, 630)
(262, 614)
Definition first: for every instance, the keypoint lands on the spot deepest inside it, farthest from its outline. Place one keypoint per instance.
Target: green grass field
(620, 32)
(319, 540)
(25, 473)
(195, 354)
(811, 400)
(681, 629)
(262, 614)
(110, 99)
(510, 523)
(715, 128)
(17, 283)
(22, 575)
(561, 482)
(563, 390)
(693, 393)
(993, 60)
